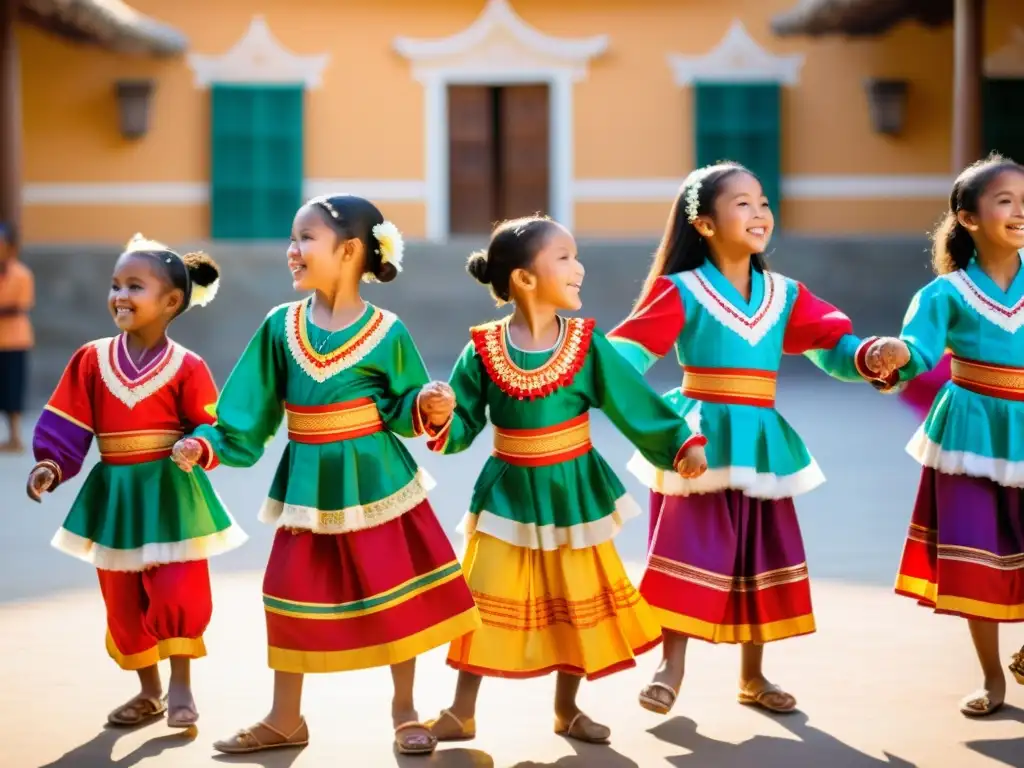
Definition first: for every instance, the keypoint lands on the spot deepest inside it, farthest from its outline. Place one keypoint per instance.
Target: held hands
(437, 401)
(40, 480)
(693, 463)
(886, 356)
(186, 453)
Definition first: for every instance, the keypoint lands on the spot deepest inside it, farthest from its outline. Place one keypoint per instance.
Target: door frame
(560, 142)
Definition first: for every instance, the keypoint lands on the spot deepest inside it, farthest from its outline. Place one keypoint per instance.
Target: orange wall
(366, 122)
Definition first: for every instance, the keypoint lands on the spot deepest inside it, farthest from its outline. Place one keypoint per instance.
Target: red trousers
(157, 613)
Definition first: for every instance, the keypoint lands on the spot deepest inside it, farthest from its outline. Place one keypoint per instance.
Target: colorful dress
(727, 560)
(552, 592)
(147, 526)
(361, 573)
(964, 552)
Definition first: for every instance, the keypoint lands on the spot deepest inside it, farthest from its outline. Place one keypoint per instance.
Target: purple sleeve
(61, 442)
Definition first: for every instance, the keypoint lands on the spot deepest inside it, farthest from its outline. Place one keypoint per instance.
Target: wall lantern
(133, 98)
(887, 101)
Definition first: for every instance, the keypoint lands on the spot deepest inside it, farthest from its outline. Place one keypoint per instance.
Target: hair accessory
(692, 186)
(325, 203)
(392, 247)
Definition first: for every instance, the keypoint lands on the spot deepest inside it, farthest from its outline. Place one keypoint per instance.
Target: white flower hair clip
(392, 247)
(692, 186)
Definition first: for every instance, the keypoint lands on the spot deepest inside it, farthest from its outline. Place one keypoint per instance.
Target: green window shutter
(1003, 110)
(256, 175)
(741, 122)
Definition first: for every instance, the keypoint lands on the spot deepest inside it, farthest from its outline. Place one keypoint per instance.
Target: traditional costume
(361, 573)
(552, 592)
(148, 527)
(726, 561)
(964, 553)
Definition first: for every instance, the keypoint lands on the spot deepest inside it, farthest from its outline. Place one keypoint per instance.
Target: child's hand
(186, 453)
(437, 401)
(694, 462)
(40, 480)
(887, 355)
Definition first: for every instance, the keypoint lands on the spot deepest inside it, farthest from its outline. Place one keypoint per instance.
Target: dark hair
(195, 274)
(514, 245)
(952, 244)
(9, 233)
(682, 247)
(355, 217)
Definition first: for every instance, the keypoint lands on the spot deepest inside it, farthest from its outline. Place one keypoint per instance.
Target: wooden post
(968, 45)
(10, 116)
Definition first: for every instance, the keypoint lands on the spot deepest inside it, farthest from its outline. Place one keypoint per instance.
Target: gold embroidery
(987, 379)
(550, 445)
(334, 421)
(737, 385)
(122, 444)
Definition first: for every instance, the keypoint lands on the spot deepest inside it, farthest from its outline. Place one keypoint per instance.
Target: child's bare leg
(181, 707)
(413, 737)
(755, 688)
(284, 724)
(990, 697)
(569, 719)
(13, 433)
(660, 694)
(458, 722)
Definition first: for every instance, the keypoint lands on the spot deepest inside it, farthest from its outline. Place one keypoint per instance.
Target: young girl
(17, 297)
(726, 561)
(361, 573)
(552, 592)
(146, 527)
(964, 553)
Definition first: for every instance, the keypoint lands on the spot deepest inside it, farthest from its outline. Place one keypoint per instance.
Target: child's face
(742, 217)
(140, 294)
(556, 275)
(1000, 217)
(316, 257)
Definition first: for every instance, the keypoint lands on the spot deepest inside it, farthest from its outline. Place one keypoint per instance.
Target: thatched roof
(107, 23)
(859, 18)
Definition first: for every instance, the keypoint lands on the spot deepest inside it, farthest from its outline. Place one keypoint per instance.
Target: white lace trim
(296, 315)
(148, 555)
(133, 395)
(758, 485)
(752, 330)
(550, 537)
(1010, 319)
(355, 518)
(930, 454)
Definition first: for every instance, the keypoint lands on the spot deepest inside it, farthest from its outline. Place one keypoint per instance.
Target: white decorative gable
(1008, 62)
(258, 57)
(737, 58)
(500, 41)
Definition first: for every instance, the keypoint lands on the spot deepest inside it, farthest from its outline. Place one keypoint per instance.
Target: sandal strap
(664, 687)
(411, 724)
(267, 726)
(454, 718)
(574, 721)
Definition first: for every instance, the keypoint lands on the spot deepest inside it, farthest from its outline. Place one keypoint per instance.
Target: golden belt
(319, 424)
(1001, 381)
(544, 446)
(732, 386)
(137, 446)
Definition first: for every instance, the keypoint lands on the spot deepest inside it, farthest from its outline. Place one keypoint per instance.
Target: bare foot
(141, 708)
(762, 693)
(576, 725)
(411, 736)
(661, 693)
(13, 446)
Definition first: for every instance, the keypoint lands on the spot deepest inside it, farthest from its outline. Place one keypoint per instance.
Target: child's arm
(406, 376)
(649, 332)
(659, 433)
(470, 415)
(251, 406)
(64, 431)
(198, 406)
(925, 329)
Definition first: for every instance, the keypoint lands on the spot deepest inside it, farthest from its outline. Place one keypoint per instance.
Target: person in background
(17, 297)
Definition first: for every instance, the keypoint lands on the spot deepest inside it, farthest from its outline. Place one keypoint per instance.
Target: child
(361, 573)
(552, 592)
(17, 297)
(964, 553)
(146, 527)
(726, 561)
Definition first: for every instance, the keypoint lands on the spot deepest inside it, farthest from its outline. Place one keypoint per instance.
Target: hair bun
(478, 267)
(205, 276)
(386, 272)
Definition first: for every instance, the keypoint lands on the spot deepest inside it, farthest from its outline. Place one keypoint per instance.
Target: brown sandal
(978, 704)
(761, 697)
(1017, 666)
(582, 728)
(466, 728)
(246, 740)
(182, 717)
(652, 703)
(423, 743)
(137, 711)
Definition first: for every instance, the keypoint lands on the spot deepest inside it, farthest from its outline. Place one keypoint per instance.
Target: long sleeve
(468, 380)
(65, 429)
(649, 332)
(198, 406)
(251, 406)
(659, 433)
(406, 376)
(925, 329)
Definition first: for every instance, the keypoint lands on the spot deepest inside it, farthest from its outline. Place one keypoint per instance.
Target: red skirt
(370, 598)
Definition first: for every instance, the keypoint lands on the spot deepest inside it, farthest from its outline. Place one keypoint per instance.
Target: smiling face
(140, 294)
(555, 276)
(999, 220)
(317, 257)
(741, 219)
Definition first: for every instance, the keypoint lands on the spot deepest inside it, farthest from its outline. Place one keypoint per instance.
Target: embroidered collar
(130, 391)
(322, 366)
(1010, 319)
(751, 329)
(491, 342)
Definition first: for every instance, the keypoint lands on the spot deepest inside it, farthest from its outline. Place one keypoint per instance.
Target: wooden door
(524, 152)
(471, 146)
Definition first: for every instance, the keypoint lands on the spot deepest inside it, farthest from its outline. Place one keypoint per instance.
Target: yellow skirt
(568, 610)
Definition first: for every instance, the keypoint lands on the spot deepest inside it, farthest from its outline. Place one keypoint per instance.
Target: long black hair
(355, 217)
(682, 247)
(952, 244)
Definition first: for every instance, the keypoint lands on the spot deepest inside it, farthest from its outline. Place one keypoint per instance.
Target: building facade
(454, 114)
